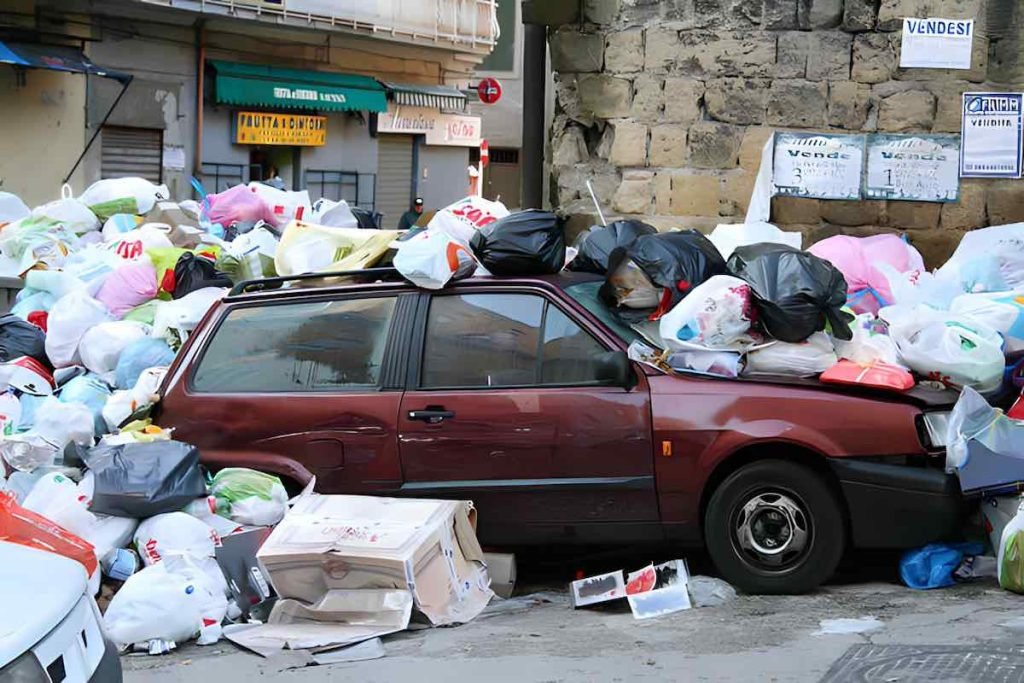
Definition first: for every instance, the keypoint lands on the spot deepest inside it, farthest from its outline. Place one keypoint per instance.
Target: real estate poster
(913, 167)
(991, 130)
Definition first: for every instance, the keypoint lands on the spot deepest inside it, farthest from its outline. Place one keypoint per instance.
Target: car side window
(317, 346)
(504, 340)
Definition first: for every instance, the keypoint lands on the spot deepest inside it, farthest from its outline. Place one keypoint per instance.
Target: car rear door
(313, 380)
(503, 407)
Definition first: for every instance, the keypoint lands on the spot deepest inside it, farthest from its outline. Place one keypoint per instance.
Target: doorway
(263, 161)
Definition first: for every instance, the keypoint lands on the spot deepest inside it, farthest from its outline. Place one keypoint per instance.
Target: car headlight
(24, 669)
(936, 425)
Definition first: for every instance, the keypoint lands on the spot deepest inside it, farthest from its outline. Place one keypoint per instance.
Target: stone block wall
(666, 105)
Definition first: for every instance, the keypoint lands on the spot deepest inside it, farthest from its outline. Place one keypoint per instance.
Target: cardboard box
(328, 543)
(501, 568)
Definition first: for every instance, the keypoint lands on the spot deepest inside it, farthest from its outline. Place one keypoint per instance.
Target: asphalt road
(754, 638)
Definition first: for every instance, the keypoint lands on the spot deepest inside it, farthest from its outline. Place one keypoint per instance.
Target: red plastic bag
(24, 527)
(879, 375)
(1016, 411)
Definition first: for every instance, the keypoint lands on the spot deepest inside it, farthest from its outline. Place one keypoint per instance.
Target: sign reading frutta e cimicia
(818, 166)
(913, 167)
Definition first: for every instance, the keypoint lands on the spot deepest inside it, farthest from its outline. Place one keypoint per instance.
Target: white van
(50, 627)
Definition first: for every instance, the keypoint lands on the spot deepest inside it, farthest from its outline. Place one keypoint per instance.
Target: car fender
(274, 463)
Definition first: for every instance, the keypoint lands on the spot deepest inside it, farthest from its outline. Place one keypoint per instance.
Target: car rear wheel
(775, 527)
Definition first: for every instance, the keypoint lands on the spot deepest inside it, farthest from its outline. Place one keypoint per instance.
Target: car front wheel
(775, 527)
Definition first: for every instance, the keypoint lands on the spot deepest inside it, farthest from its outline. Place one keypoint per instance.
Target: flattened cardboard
(328, 543)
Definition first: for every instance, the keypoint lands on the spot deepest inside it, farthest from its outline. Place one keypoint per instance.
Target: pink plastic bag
(130, 285)
(858, 258)
(238, 204)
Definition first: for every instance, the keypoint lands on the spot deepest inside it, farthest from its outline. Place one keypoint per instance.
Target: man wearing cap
(410, 217)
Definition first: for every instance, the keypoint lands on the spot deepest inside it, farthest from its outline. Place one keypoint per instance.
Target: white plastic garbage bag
(333, 214)
(123, 403)
(12, 208)
(1011, 554)
(69, 319)
(285, 205)
(101, 346)
(174, 533)
(250, 497)
(122, 195)
(716, 315)
(167, 601)
(56, 497)
(915, 288)
(727, 236)
(432, 259)
(309, 248)
(988, 259)
(943, 347)
(805, 359)
(462, 219)
(1001, 311)
(71, 213)
(61, 423)
(182, 315)
(870, 344)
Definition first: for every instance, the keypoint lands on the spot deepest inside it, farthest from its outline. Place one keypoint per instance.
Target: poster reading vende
(991, 130)
(818, 166)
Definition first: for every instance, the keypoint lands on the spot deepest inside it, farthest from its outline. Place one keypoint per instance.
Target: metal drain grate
(914, 663)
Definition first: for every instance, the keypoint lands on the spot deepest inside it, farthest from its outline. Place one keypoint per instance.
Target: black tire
(759, 503)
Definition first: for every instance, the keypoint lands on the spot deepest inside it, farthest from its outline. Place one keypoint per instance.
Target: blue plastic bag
(92, 391)
(933, 565)
(29, 300)
(139, 355)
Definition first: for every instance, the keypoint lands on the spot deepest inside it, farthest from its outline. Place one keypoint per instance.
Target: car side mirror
(615, 368)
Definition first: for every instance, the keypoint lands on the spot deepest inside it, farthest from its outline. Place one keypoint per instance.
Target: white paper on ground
(830, 627)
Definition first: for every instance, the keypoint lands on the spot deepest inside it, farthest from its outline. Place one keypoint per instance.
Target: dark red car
(518, 394)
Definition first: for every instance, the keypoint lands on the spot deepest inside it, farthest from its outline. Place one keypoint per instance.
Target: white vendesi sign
(937, 43)
(818, 166)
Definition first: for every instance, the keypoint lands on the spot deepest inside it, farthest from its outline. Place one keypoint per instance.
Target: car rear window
(317, 346)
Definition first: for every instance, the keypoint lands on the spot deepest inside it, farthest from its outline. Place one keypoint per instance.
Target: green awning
(256, 85)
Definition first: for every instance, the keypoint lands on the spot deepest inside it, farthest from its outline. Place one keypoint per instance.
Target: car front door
(504, 407)
(309, 381)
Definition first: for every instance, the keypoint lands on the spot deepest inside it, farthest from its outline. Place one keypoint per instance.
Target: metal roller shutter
(132, 152)
(394, 177)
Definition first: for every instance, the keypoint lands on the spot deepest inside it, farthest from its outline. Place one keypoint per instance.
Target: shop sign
(818, 166)
(439, 129)
(937, 43)
(990, 131)
(262, 128)
(913, 167)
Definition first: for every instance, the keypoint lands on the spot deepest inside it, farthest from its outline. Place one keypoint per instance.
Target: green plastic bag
(249, 497)
(1011, 554)
(143, 313)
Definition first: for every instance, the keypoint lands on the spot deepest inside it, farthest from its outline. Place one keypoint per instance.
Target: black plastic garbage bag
(140, 480)
(674, 262)
(529, 242)
(597, 244)
(193, 272)
(796, 293)
(19, 338)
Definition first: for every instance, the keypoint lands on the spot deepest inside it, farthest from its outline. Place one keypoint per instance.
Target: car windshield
(586, 294)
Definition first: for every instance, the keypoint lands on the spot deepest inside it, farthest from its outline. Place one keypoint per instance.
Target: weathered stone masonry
(665, 106)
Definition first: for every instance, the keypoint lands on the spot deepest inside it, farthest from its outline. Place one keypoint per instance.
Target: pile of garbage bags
(114, 282)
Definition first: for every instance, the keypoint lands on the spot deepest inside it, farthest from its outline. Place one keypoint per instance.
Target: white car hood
(37, 590)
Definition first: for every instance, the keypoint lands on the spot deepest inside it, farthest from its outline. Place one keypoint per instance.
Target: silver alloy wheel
(772, 530)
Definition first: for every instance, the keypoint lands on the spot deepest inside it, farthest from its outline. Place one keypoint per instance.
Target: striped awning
(433, 96)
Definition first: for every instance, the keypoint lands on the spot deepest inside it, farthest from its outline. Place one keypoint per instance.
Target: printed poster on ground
(818, 166)
(991, 129)
(936, 43)
(913, 167)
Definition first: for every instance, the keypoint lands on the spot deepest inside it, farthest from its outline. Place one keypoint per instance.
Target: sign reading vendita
(937, 43)
(991, 135)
